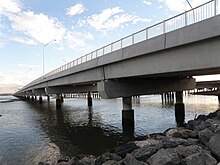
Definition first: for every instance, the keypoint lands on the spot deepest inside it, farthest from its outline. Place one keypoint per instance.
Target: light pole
(43, 55)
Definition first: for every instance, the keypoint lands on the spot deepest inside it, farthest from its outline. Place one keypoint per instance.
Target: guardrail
(189, 17)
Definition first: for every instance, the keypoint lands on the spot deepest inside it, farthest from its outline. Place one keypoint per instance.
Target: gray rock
(203, 125)
(43, 163)
(125, 149)
(205, 135)
(192, 124)
(110, 162)
(130, 160)
(181, 133)
(164, 157)
(174, 142)
(145, 152)
(201, 158)
(87, 160)
(149, 142)
(186, 151)
(105, 157)
(214, 145)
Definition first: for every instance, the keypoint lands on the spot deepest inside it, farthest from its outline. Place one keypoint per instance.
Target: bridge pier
(89, 99)
(40, 99)
(32, 98)
(48, 98)
(127, 116)
(58, 101)
(179, 109)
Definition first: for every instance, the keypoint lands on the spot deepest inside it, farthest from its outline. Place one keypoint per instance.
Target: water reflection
(73, 132)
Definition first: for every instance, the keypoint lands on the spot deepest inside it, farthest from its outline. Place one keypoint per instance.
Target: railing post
(121, 42)
(164, 27)
(132, 39)
(215, 7)
(146, 33)
(185, 18)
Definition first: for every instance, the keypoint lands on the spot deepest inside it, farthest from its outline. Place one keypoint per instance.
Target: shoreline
(197, 143)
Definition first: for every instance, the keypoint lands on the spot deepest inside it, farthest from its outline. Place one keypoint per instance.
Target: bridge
(158, 59)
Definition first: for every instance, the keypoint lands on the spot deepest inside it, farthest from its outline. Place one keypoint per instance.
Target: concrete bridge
(158, 59)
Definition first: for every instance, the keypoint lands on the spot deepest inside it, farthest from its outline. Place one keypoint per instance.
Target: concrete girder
(128, 88)
(71, 89)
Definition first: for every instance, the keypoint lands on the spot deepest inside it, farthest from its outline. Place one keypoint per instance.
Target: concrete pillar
(58, 101)
(179, 109)
(40, 99)
(127, 116)
(32, 98)
(61, 98)
(48, 98)
(89, 99)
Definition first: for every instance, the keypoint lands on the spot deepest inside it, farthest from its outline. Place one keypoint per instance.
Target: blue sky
(79, 27)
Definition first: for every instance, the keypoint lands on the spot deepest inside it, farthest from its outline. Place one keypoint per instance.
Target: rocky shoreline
(198, 143)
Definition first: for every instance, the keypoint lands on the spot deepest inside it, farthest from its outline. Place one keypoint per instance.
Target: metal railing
(189, 17)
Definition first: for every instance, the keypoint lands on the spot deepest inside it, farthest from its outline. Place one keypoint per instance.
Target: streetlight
(43, 54)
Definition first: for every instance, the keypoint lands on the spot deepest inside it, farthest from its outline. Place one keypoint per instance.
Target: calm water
(31, 131)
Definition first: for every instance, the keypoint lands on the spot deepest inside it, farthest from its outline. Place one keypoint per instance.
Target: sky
(72, 28)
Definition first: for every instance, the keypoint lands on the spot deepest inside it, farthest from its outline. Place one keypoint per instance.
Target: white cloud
(9, 6)
(147, 2)
(37, 26)
(77, 40)
(181, 5)
(76, 9)
(110, 19)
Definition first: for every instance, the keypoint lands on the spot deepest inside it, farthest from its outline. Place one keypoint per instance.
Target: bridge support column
(127, 116)
(40, 99)
(61, 98)
(48, 98)
(58, 101)
(32, 98)
(89, 99)
(179, 109)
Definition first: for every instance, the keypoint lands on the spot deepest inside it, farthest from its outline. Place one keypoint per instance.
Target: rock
(73, 161)
(164, 157)
(202, 117)
(125, 149)
(149, 142)
(203, 125)
(192, 123)
(87, 160)
(43, 163)
(214, 145)
(105, 157)
(201, 158)
(110, 162)
(145, 152)
(186, 151)
(205, 135)
(130, 160)
(174, 142)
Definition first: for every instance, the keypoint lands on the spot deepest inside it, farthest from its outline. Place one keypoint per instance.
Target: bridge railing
(199, 13)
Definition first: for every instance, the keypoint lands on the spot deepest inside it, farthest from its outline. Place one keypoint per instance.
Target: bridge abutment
(127, 116)
(179, 109)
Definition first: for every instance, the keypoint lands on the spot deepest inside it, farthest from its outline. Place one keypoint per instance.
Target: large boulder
(214, 144)
(106, 157)
(130, 160)
(201, 158)
(123, 150)
(205, 135)
(186, 151)
(164, 157)
(145, 152)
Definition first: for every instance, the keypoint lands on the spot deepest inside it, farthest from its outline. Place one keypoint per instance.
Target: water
(31, 132)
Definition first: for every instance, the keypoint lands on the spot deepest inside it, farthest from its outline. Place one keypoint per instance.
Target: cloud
(76, 9)
(147, 2)
(181, 5)
(110, 19)
(9, 6)
(37, 26)
(77, 40)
